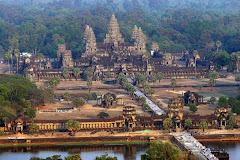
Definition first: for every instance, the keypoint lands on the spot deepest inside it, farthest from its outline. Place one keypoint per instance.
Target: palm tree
(107, 99)
(16, 54)
(89, 85)
(8, 56)
(236, 57)
(173, 82)
(195, 54)
(76, 72)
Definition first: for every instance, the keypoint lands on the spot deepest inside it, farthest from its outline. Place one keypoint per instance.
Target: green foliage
(236, 107)
(188, 123)
(88, 73)
(212, 100)
(203, 125)
(129, 88)
(167, 123)
(76, 72)
(89, 85)
(53, 82)
(121, 79)
(58, 157)
(221, 58)
(200, 86)
(142, 100)
(66, 96)
(105, 157)
(237, 77)
(173, 82)
(223, 102)
(73, 126)
(232, 100)
(30, 112)
(213, 75)
(18, 94)
(193, 107)
(160, 76)
(146, 107)
(232, 121)
(140, 79)
(78, 102)
(33, 128)
(103, 115)
(66, 73)
(162, 151)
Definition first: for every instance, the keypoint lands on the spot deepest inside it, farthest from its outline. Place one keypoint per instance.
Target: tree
(218, 44)
(89, 85)
(200, 86)
(78, 102)
(236, 57)
(232, 121)
(146, 107)
(30, 112)
(103, 115)
(74, 157)
(140, 79)
(105, 157)
(236, 107)
(142, 100)
(213, 75)
(108, 99)
(8, 56)
(162, 151)
(232, 100)
(88, 73)
(76, 72)
(33, 128)
(173, 82)
(122, 79)
(53, 82)
(65, 73)
(146, 87)
(211, 83)
(73, 126)
(223, 102)
(188, 123)
(212, 100)
(153, 79)
(237, 77)
(167, 123)
(203, 125)
(16, 54)
(67, 96)
(193, 107)
(160, 76)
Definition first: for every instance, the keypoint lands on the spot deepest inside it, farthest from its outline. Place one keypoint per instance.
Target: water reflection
(123, 152)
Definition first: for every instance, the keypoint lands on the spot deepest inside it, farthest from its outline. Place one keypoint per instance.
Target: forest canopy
(39, 27)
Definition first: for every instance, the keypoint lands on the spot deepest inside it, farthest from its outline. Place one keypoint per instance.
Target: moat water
(123, 152)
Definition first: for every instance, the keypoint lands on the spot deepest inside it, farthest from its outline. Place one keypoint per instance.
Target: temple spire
(90, 40)
(114, 35)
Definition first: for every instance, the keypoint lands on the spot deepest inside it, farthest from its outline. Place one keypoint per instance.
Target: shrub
(193, 107)
(237, 77)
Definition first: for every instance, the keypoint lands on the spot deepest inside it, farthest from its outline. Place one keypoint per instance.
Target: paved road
(152, 105)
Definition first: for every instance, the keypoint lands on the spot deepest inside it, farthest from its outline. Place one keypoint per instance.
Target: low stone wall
(222, 137)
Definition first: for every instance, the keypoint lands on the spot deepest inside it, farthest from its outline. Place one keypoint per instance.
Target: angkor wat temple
(113, 56)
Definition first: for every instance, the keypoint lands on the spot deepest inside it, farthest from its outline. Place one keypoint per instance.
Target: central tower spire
(114, 35)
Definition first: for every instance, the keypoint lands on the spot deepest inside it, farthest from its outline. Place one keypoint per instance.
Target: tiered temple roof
(114, 35)
(90, 40)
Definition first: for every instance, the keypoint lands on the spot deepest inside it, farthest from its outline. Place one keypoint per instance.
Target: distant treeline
(40, 28)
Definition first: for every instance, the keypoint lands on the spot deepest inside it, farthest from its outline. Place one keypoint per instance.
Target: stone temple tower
(90, 42)
(114, 36)
(139, 39)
